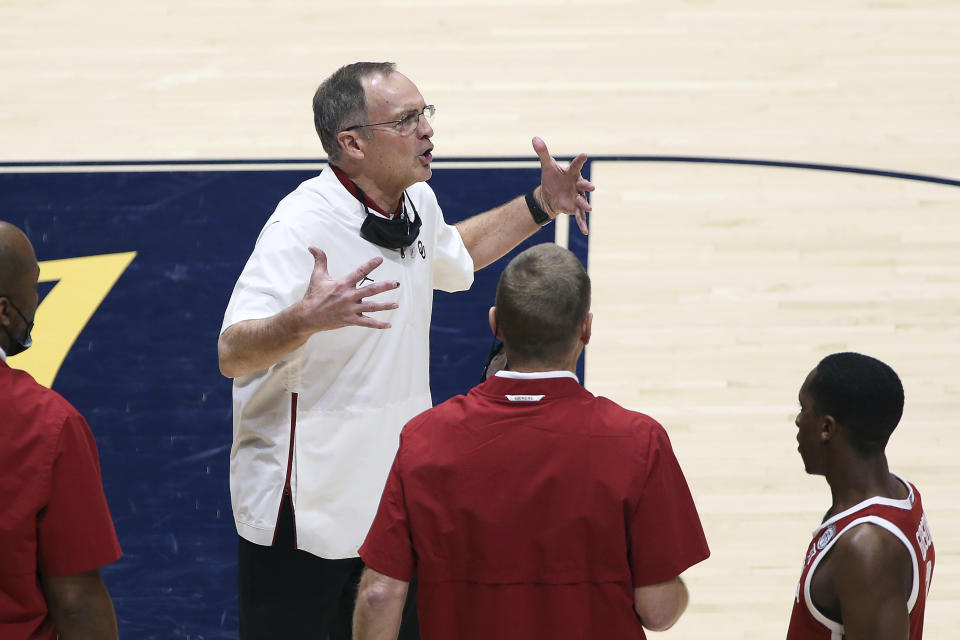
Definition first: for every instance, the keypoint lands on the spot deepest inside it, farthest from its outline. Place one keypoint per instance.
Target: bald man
(55, 527)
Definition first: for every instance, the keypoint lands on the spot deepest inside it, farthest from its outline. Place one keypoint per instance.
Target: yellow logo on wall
(81, 285)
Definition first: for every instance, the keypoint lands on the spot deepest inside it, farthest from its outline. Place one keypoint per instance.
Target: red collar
(350, 186)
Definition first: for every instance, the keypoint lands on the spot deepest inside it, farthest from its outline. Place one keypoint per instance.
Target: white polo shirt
(353, 388)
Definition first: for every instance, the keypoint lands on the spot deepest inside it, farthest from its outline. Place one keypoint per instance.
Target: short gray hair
(341, 102)
(542, 299)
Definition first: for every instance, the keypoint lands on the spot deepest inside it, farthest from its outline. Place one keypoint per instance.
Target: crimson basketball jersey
(904, 519)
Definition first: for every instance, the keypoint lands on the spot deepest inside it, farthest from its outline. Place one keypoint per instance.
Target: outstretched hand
(563, 190)
(334, 303)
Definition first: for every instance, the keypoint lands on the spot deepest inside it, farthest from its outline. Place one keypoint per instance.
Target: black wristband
(540, 216)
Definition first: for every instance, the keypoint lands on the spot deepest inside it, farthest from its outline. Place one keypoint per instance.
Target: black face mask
(496, 361)
(398, 232)
(19, 345)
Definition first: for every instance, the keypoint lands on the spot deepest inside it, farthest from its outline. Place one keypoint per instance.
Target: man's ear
(5, 312)
(828, 429)
(350, 144)
(586, 329)
(492, 318)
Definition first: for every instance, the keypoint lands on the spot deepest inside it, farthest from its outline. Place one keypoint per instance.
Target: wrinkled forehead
(391, 95)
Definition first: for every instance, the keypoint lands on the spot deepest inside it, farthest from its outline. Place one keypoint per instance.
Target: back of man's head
(18, 288)
(864, 395)
(341, 102)
(16, 257)
(542, 300)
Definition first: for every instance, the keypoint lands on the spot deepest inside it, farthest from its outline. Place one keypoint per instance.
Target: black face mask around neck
(398, 232)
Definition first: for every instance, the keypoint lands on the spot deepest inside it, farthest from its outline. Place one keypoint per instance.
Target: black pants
(289, 594)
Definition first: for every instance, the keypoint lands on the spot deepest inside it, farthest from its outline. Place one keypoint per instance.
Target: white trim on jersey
(906, 504)
(835, 628)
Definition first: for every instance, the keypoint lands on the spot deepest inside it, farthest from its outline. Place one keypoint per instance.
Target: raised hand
(332, 303)
(563, 190)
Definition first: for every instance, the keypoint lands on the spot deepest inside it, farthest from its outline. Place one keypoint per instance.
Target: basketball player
(867, 571)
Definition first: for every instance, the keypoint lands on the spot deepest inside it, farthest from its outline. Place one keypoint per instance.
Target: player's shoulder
(315, 196)
(41, 406)
(630, 422)
(320, 194)
(298, 217)
(870, 545)
(428, 422)
(869, 564)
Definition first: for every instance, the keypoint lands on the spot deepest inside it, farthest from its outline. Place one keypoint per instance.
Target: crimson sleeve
(666, 536)
(388, 548)
(75, 532)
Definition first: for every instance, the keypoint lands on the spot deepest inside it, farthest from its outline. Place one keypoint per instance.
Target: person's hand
(563, 190)
(334, 303)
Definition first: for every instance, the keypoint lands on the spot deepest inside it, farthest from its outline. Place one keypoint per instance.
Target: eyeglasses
(405, 125)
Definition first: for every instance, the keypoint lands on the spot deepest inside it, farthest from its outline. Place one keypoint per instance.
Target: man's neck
(383, 201)
(521, 366)
(860, 478)
(540, 368)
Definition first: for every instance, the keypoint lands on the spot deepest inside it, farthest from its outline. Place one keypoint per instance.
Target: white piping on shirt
(535, 375)
(906, 504)
(835, 628)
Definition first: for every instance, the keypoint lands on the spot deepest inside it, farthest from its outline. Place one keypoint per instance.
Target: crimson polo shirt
(531, 508)
(54, 517)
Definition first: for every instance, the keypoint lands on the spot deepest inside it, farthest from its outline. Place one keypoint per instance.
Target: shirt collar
(535, 375)
(351, 186)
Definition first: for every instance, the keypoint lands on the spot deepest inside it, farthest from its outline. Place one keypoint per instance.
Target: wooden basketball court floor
(717, 286)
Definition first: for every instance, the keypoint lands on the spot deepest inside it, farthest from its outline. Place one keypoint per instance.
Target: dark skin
(18, 283)
(865, 580)
(78, 604)
(864, 583)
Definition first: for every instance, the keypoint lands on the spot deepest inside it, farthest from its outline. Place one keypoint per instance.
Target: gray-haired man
(326, 338)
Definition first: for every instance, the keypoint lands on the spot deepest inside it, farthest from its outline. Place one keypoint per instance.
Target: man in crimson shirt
(56, 529)
(531, 508)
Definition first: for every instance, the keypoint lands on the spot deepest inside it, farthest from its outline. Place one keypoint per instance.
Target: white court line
(146, 168)
(242, 166)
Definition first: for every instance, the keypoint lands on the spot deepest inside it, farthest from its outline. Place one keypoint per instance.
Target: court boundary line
(451, 163)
